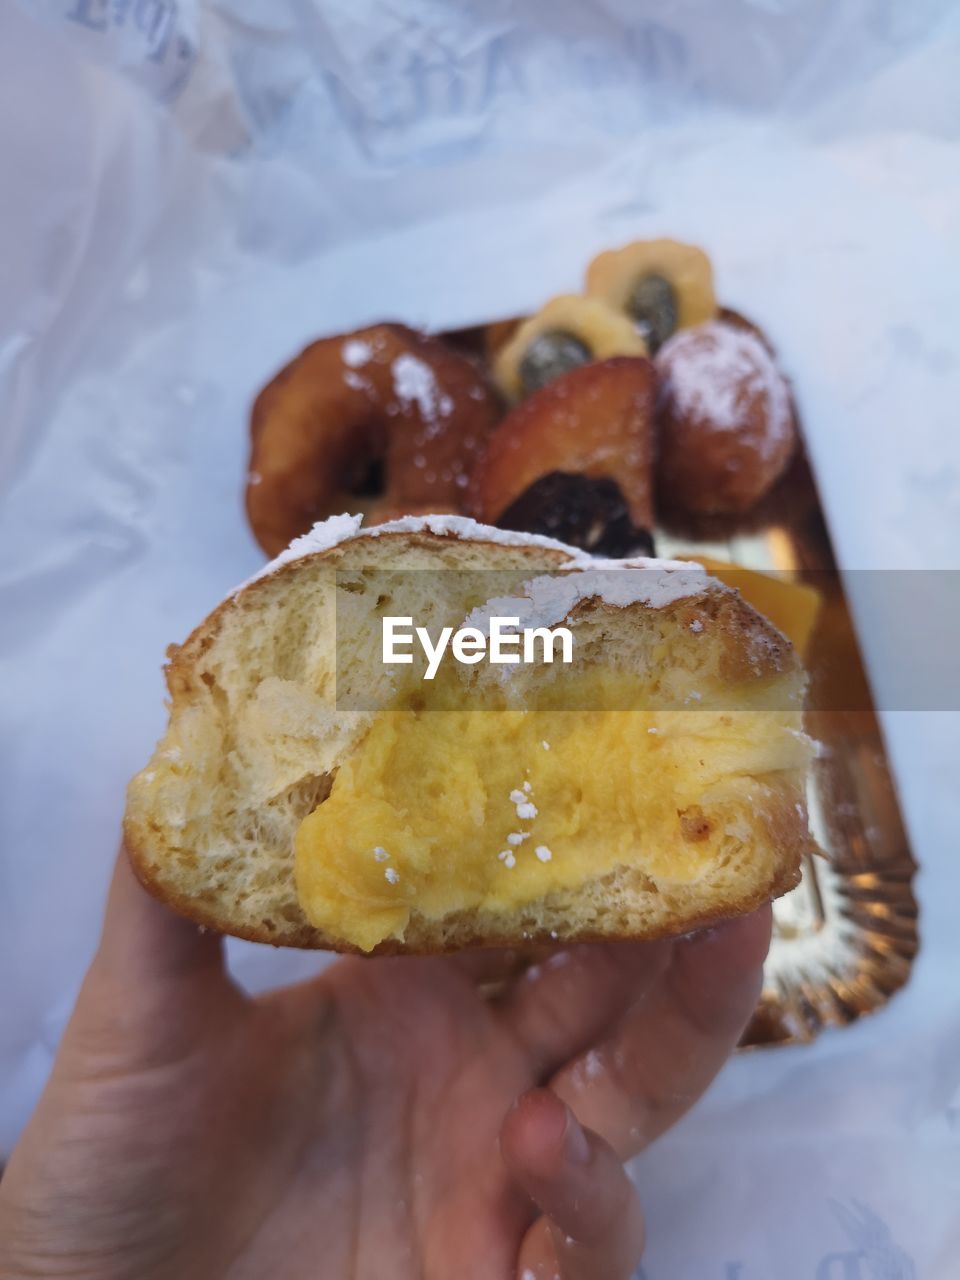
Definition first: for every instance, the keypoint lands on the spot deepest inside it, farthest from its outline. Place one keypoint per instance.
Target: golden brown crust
(749, 646)
(383, 397)
(594, 421)
(305, 937)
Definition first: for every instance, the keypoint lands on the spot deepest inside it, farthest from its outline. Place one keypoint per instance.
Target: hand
(384, 1121)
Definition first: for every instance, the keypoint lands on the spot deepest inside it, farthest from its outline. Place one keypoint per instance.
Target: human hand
(387, 1120)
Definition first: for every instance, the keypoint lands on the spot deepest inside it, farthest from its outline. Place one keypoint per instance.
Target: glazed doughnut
(725, 422)
(661, 285)
(565, 332)
(575, 460)
(384, 415)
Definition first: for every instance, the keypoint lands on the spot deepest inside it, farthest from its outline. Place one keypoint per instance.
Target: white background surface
(259, 173)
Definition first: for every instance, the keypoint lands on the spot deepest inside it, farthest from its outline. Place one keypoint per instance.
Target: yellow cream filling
(421, 814)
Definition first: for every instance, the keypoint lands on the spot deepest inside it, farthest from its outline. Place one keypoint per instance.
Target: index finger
(668, 1048)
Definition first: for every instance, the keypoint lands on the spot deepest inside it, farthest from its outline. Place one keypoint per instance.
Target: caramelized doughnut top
(383, 416)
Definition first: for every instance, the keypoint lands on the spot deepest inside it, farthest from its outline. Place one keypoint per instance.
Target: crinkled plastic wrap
(191, 192)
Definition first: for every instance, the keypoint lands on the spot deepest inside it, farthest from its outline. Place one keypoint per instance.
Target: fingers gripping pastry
(725, 420)
(385, 414)
(661, 285)
(575, 460)
(565, 332)
(652, 784)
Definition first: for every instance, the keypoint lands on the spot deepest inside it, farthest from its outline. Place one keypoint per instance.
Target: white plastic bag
(200, 189)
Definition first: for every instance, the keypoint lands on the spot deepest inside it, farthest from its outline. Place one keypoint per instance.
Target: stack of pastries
(638, 397)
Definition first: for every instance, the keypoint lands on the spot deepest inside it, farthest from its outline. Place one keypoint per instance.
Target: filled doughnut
(385, 415)
(725, 423)
(653, 785)
(661, 285)
(575, 460)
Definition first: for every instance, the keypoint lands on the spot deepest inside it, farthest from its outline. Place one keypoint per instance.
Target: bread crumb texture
(270, 812)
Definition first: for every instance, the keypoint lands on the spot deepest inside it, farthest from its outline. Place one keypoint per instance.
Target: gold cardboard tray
(845, 939)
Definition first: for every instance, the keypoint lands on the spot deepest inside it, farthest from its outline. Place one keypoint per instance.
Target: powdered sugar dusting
(548, 599)
(414, 383)
(355, 352)
(661, 581)
(470, 531)
(714, 373)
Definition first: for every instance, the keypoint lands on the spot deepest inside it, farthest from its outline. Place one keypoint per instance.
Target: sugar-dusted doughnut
(385, 415)
(725, 420)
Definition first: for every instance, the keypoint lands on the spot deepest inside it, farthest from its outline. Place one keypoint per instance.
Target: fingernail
(576, 1145)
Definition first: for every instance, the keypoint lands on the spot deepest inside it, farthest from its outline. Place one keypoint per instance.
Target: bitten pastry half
(309, 799)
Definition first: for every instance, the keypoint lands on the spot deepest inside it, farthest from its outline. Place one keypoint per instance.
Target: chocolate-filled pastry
(589, 512)
(725, 420)
(384, 416)
(575, 459)
(565, 332)
(661, 285)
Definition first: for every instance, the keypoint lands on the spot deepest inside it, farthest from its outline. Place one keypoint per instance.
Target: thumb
(156, 986)
(145, 943)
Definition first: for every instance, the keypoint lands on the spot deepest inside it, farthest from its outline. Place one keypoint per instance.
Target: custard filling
(440, 811)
